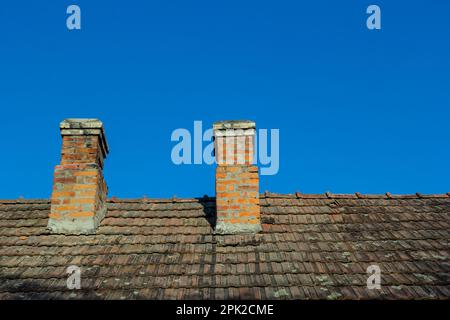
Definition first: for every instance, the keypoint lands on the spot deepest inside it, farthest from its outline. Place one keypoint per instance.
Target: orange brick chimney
(237, 179)
(79, 195)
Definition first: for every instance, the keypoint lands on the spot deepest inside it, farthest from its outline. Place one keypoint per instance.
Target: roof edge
(265, 195)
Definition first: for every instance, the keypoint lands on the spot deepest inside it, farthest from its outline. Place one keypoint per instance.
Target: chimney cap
(85, 127)
(234, 124)
(80, 123)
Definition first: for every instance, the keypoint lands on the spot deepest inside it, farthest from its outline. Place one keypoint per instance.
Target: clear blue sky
(357, 110)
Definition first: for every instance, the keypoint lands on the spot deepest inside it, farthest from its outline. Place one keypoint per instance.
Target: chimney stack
(237, 179)
(78, 202)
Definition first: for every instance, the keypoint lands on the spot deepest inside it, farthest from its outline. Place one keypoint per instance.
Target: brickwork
(79, 195)
(237, 180)
(235, 147)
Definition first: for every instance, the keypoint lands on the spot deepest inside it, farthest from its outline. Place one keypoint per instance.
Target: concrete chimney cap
(234, 124)
(78, 123)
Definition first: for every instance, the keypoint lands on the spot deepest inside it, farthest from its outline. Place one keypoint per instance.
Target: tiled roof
(311, 247)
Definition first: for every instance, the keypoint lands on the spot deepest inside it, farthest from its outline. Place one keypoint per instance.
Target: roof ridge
(266, 194)
(160, 200)
(24, 201)
(358, 195)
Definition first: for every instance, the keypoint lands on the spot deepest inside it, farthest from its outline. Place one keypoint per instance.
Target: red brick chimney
(79, 195)
(237, 179)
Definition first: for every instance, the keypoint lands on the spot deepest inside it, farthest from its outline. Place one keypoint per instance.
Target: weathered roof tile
(311, 247)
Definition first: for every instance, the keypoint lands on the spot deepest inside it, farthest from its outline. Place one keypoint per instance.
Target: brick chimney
(79, 195)
(237, 179)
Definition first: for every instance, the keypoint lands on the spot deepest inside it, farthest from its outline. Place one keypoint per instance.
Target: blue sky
(358, 110)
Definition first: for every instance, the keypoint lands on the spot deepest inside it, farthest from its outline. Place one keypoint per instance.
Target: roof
(311, 247)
